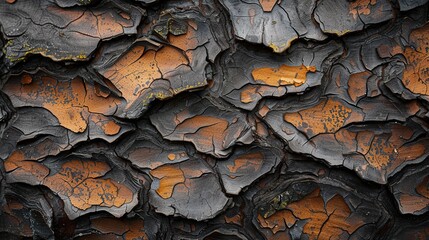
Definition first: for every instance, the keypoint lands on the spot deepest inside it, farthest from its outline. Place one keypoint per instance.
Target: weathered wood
(42, 27)
(214, 119)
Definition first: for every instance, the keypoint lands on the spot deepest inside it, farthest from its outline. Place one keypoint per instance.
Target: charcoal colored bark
(214, 119)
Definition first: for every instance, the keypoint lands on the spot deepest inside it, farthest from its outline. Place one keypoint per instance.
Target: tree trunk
(214, 119)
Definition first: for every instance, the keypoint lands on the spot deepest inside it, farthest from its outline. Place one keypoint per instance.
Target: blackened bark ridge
(214, 119)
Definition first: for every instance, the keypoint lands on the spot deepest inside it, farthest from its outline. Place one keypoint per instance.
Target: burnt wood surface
(214, 119)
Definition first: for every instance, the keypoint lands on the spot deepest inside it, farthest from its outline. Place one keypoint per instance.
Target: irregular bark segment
(199, 121)
(317, 208)
(245, 166)
(266, 75)
(375, 152)
(73, 34)
(165, 68)
(25, 213)
(78, 106)
(147, 150)
(357, 85)
(78, 183)
(36, 133)
(332, 220)
(169, 177)
(329, 116)
(285, 75)
(274, 25)
(64, 104)
(178, 190)
(416, 74)
(278, 222)
(351, 16)
(23, 170)
(411, 191)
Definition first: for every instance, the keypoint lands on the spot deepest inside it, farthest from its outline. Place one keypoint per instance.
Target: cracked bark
(214, 119)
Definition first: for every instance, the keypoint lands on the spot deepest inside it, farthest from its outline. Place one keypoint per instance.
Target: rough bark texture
(214, 119)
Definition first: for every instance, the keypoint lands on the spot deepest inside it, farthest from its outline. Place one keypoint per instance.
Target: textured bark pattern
(214, 119)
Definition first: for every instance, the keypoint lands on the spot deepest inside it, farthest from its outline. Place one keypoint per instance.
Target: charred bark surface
(214, 119)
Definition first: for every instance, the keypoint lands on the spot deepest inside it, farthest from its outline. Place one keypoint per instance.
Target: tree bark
(214, 119)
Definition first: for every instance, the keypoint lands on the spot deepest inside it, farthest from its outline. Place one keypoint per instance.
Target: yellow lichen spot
(274, 47)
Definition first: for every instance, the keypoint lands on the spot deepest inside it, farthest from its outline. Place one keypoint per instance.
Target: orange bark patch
(136, 70)
(109, 25)
(79, 181)
(70, 101)
(206, 130)
(284, 75)
(264, 111)
(381, 152)
(234, 217)
(26, 79)
(249, 94)
(247, 162)
(64, 104)
(136, 230)
(175, 178)
(325, 222)
(267, 5)
(68, 33)
(361, 7)
(19, 163)
(109, 126)
(388, 150)
(186, 41)
(168, 59)
(357, 85)
(411, 203)
(386, 51)
(169, 176)
(133, 73)
(416, 74)
(100, 192)
(279, 221)
(413, 200)
(252, 93)
(409, 153)
(326, 117)
(364, 139)
(98, 23)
